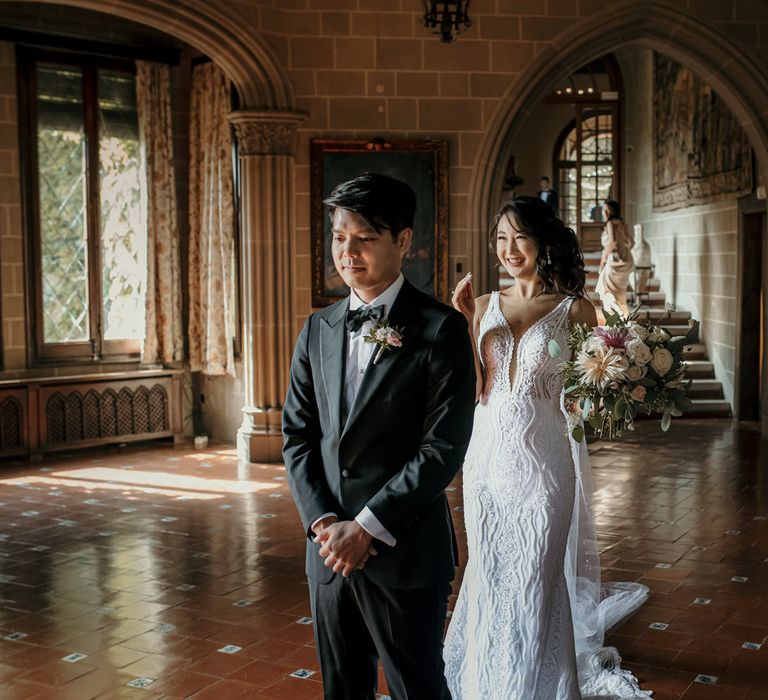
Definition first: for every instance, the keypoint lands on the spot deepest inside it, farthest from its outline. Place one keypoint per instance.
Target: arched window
(584, 163)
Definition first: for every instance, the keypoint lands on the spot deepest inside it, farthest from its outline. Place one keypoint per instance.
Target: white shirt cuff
(322, 517)
(370, 523)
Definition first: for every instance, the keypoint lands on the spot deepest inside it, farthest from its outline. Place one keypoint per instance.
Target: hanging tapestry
(701, 154)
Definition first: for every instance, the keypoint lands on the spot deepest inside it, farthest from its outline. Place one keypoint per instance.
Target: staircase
(705, 392)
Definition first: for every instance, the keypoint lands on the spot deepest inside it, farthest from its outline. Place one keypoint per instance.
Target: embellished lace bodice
(522, 368)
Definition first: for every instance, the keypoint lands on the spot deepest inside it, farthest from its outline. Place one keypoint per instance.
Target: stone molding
(266, 133)
(217, 29)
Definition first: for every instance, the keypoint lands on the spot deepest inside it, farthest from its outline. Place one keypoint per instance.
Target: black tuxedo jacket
(403, 441)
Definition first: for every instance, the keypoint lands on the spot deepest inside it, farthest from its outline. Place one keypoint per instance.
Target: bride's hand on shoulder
(463, 298)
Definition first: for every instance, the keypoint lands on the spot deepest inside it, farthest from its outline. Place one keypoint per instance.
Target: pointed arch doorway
(733, 75)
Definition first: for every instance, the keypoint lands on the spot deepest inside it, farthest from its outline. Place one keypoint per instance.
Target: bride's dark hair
(559, 262)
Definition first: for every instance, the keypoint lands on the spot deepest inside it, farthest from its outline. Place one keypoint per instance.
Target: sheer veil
(596, 607)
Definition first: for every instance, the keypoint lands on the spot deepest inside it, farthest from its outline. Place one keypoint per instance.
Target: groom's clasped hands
(345, 545)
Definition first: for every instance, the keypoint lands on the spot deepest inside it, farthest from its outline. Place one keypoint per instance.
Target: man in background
(547, 195)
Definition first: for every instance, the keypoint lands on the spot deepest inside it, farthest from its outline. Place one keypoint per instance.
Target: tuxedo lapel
(332, 344)
(399, 316)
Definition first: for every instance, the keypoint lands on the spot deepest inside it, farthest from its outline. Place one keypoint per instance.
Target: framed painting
(421, 164)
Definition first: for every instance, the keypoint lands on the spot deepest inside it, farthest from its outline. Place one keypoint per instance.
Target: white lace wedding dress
(530, 615)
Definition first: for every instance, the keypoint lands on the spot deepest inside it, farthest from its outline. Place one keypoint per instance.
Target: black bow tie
(357, 317)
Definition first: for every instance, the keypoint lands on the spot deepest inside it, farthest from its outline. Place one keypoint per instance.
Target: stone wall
(364, 68)
(695, 249)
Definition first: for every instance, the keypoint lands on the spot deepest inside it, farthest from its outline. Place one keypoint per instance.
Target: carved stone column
(266, 145)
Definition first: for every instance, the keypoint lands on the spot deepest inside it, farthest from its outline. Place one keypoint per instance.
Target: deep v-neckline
(513, 353)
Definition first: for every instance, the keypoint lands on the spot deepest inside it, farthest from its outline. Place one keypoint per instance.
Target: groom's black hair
(384, 202)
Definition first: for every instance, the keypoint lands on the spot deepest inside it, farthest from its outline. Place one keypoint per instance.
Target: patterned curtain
(211, 225)
(164, 339)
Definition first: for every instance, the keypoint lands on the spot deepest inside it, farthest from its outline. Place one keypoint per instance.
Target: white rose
(638, 331)
(634, 373)
(662, 361)
(638, 352)
(593, 344)
(622, 360)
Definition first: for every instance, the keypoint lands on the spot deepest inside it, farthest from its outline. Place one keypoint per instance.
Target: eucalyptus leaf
(578, 433)
(595, 421)
(571, 389)
(666, 419)
(586, 408)
(554, 349)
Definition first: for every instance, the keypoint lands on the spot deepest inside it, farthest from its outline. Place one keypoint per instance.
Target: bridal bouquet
(621, 369)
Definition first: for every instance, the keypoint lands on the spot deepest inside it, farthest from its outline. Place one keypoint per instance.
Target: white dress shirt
(359, 355)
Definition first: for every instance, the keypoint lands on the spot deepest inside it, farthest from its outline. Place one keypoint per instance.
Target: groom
(374, 431)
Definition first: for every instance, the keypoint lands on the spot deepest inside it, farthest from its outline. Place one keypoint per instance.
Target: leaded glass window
(87, 239)
(585, 162)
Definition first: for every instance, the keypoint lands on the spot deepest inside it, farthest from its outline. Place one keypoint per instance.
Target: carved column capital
(266, 133)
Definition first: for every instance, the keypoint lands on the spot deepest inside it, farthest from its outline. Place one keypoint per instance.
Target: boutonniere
(386, 337)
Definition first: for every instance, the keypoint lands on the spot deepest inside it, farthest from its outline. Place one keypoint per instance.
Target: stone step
(675, 329)
(699, 369)
(705, 389)
(709, 408)
(651, 299)
(662, 315)
(695, 351)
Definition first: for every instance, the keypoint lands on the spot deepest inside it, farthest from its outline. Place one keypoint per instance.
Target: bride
(531, 613)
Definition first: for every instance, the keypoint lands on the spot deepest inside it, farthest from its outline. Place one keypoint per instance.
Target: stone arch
(739, 81)
(217, 31)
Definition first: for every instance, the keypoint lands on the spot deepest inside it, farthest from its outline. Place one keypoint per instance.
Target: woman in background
(616, 263)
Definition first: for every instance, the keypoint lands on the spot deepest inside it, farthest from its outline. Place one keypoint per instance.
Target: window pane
(589, 193)
(61, 158)
(589, 139)
(568, 149)
(123, 237)
(567, 191)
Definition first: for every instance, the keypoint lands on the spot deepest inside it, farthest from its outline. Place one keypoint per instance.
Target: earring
(549, 260)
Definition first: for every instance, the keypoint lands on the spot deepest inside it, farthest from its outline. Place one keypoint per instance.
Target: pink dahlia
(612, 337)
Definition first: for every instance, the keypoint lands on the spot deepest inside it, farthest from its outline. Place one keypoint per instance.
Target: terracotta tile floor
(184, 572)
